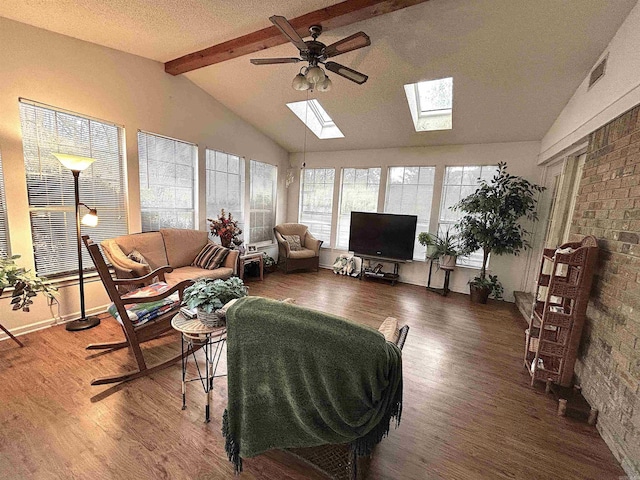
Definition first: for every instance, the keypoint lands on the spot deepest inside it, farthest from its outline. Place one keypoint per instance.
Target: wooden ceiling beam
(334, 16)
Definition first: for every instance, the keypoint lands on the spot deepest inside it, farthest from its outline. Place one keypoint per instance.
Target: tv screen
(383, 235)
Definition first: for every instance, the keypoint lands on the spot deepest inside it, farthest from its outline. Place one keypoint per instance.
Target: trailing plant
(267, 260)
(440, 245)
(492, 220)
(210, 295)
(26, 285)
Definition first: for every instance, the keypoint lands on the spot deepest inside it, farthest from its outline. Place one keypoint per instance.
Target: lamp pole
(84, 322)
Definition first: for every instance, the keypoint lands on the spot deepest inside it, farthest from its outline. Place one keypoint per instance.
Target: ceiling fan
(315, 52)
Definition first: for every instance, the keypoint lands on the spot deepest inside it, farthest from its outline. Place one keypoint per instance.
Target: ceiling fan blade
(272, 61)
(288, 31)
(352, 42)
(346, 72)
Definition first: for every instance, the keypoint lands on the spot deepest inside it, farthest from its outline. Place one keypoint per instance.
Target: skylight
(316, 118)
(431, 104)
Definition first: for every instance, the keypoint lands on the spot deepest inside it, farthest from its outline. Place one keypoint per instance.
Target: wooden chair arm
(158, 272)
(178, 287)
(280, 239)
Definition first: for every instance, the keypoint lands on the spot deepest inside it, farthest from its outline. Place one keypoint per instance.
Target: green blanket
(300, 378)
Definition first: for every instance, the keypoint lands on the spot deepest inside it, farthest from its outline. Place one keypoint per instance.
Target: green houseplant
(491, 221)
(445, 248)
(208, 295)
(26, 285)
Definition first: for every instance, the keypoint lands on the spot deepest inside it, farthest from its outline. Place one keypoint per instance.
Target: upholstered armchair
(292, 256)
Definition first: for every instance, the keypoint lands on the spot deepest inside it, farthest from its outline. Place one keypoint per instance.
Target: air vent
(598, 72)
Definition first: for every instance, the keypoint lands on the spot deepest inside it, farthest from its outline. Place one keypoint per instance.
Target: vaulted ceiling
(515, 64)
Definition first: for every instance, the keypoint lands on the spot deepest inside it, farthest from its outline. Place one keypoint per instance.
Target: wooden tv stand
(388, 277)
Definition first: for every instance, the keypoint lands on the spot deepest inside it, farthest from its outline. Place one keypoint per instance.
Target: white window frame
(5, 244)
(253, 211)
(314, 227)
(410, 201)
(47, 130)
(344, 219)
(428, 119)
(217, 173)
(157, 204)
(474, 260)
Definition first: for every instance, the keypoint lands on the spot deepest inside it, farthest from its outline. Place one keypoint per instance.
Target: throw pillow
(211, 256)
(294, 242)
(136, 256)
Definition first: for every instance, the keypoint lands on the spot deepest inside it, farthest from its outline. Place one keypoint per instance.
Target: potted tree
(208, 295)
(492, 222)
(442, 248)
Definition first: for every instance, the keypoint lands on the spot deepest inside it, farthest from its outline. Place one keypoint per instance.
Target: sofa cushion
(117, 257)
(193, 273)
(182, 245)
(211, 256)
(389, 329)
(304, 253)
(149, 244)
(137, 257)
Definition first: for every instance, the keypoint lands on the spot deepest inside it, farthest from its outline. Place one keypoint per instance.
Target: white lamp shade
(325, 86)
(74, 162)
(315, 75)
(300, 83)
(90, 219)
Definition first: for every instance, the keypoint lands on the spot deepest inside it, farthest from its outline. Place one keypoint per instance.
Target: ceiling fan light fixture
(300, 83)
(315, 75)
(326, 85)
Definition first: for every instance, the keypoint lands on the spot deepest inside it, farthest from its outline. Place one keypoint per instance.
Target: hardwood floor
(468, 413)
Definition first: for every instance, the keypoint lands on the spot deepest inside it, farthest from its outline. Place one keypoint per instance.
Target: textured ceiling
(515, 64)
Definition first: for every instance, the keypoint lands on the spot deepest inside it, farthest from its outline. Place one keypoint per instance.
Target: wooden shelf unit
(559, 310)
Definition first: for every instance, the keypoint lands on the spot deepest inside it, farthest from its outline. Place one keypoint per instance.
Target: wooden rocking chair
(135, 335)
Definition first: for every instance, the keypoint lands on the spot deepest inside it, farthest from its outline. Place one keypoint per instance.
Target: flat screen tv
(383, 235)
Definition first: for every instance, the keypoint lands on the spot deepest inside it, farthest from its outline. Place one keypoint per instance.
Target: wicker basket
(210, 319)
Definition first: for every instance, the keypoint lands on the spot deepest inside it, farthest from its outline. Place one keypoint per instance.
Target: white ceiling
(515, 64)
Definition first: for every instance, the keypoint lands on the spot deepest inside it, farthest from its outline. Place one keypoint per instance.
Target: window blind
(47, 130)
(316, 201)
(262, 215)
(4, 237)
(410, 192)
(167, 182)
(460, 182)
(359, 193)
(225, 185)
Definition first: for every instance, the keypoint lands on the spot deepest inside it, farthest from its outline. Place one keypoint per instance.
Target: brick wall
(608, 207)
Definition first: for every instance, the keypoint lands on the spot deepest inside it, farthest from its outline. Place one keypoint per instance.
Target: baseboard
(42, 324)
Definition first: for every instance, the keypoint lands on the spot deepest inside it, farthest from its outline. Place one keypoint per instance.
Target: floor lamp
(77, 164)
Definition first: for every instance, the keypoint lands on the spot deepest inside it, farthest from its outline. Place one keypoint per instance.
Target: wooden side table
(195, 334)
(250, 258)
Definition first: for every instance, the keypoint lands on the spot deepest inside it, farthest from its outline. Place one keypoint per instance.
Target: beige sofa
(170, 246)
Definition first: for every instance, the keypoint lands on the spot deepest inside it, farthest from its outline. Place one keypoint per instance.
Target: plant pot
(447, 262)
(210, 319)
(479, 294)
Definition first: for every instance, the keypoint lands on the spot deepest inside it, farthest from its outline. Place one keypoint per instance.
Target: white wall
(114, 86)
(520, 158)
(612, 95)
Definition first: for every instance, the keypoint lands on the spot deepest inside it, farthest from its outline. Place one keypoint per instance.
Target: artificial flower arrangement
(227, 228)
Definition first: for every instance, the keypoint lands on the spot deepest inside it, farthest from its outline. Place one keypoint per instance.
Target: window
(4, 240)
(410, 192)
(460, 182)
(225, 185)
(316, 201)
(262, 215)
(46, 130)
(167, 182)
(316, 118)
(359, 193)
(431, 104)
